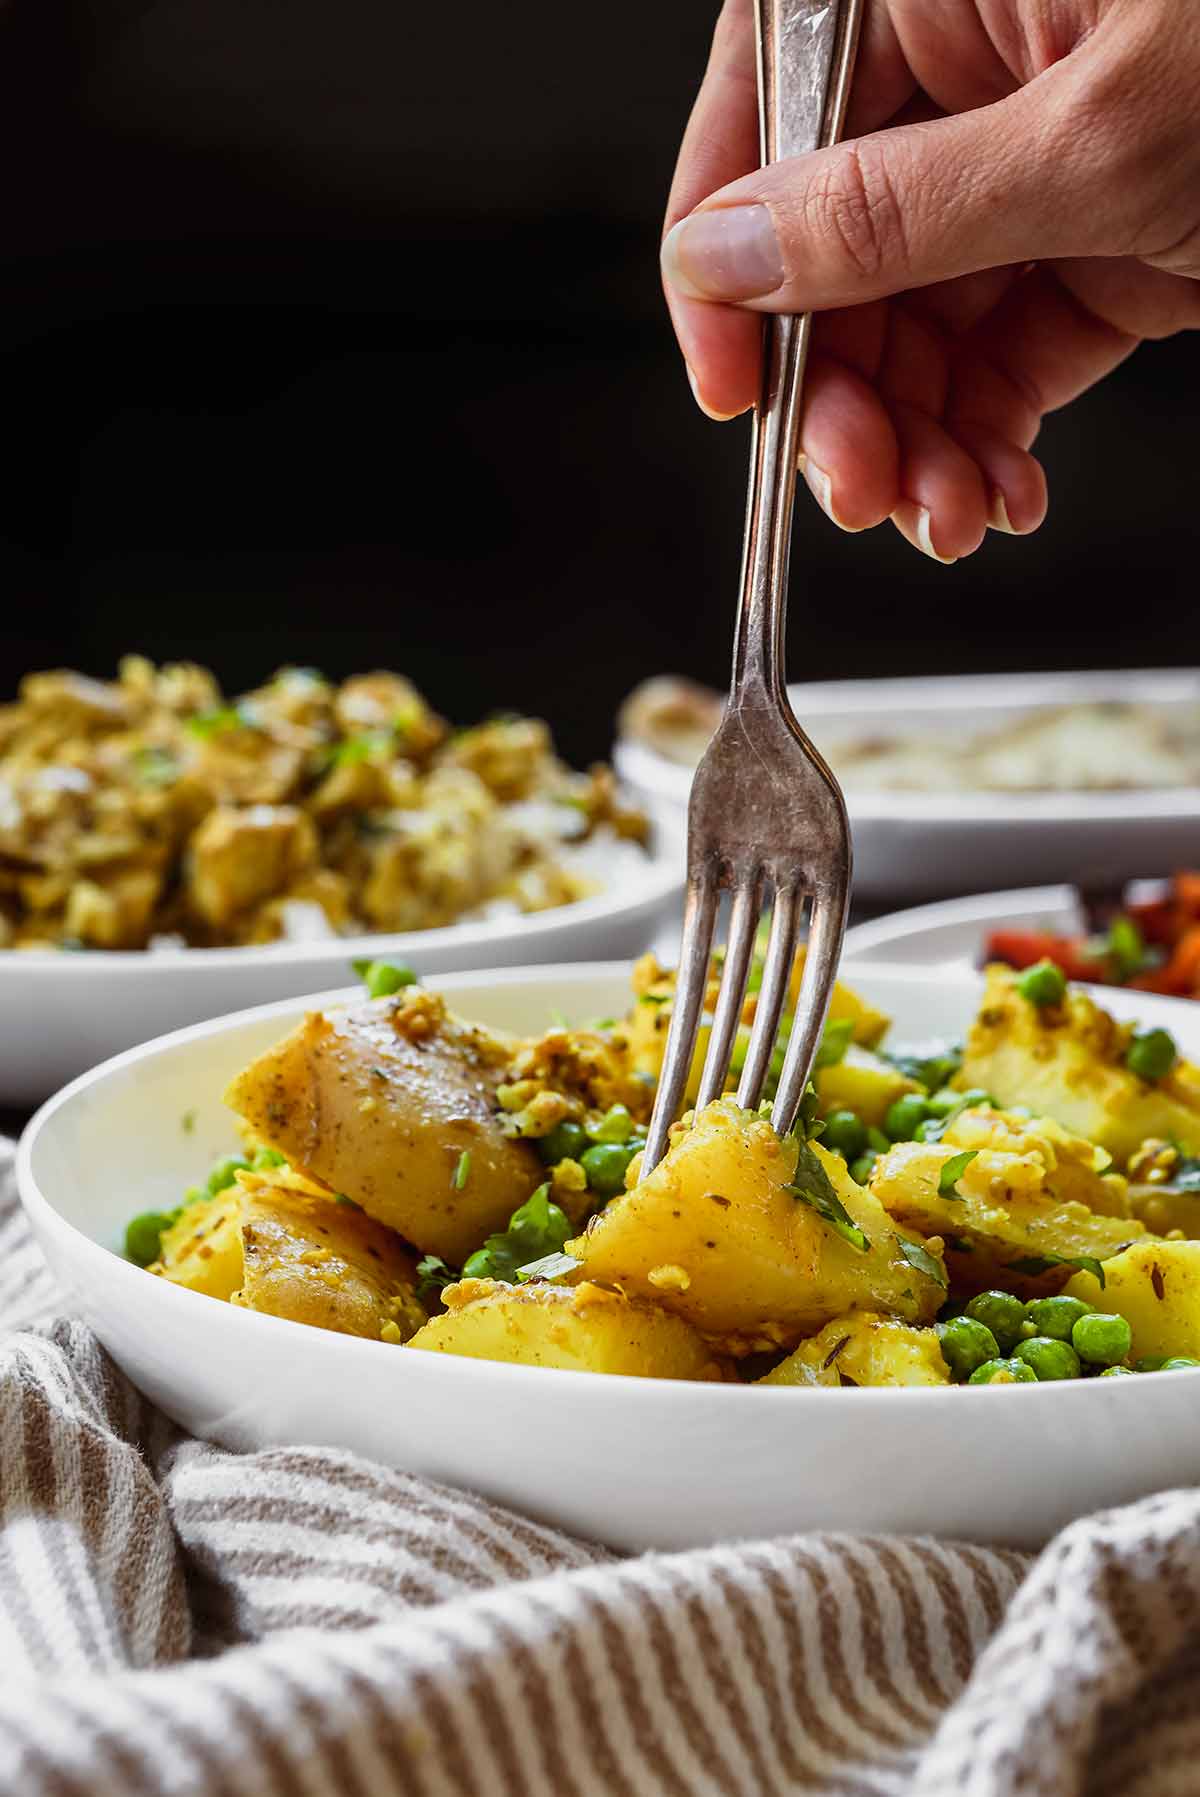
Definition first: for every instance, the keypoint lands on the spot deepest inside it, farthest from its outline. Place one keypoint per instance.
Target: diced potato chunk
(287, 1253)
(864, 1349)
(1076, 1170)
(1155, 1286)
(1068, 1061)
(1005, 1208)
(862, 1082)
(380, 1102)
(582, 1329)
(203, 1248)
(870, 1025)
(238, 858)
(715, 1235)
(646, 1025)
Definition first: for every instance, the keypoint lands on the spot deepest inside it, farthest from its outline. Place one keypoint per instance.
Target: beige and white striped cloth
(177, 1619)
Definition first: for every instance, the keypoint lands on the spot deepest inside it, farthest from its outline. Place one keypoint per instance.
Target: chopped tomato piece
(1023, 948)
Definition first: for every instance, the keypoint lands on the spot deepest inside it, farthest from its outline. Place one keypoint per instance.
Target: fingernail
(717, 417)
(821, 488)
(913, 523)
(998, 518)
(726, 253)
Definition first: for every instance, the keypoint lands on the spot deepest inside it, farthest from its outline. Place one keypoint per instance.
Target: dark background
(332, 334)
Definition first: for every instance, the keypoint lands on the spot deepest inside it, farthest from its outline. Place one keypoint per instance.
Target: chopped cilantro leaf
(952, 1171)
(812, 1186)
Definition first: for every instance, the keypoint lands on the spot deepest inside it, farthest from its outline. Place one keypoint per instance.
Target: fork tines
(826, 929)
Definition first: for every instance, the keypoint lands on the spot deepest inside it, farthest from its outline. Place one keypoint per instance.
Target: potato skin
(864, 1349)
(379, 1101)
(322, 1263)
(580, 1328)
(1068, 1061)
(715, 1236)
(1155, 1286)
(288, 1252)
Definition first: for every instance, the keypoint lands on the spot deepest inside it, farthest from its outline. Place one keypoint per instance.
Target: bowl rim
(893, 927)
(692, 1395)
(947, 694)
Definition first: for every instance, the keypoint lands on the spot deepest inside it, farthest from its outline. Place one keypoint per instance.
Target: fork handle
(806, 52)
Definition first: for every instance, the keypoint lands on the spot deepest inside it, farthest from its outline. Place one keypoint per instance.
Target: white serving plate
(637, 1463)
(62, 1013)
(952, 934)
(913, 845)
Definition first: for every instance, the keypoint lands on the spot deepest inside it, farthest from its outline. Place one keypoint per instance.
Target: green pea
(144, 1234)
(900, 1123)
(605, 1166)
(845, 1133)
(1149, 1363)
(966, 1344)
(1049, 1358)
(479, 1266)
(862, 1167)
(1177, 1362)
(268, 1157)
(382, 978)
(1003, 1372)
(1115, 1372)
(616, 1125)
(1101, 1339)
(1056, 1317)
(225, 1172)
(877, 1141)
(1043, 984)
(929, 1129)
(975, 1095)
(943, 1102)
(1000, 1312)
(565, 1142)
(1152, 1054)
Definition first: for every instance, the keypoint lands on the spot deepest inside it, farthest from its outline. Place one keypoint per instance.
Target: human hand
(1016, 207)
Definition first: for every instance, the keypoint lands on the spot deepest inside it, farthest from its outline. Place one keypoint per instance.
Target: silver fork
(765, 810)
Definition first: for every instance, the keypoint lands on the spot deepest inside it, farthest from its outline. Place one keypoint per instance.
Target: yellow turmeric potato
(1004, 1209)
(581, 1328)
(864, 1349)
(1076, 1170)
(1068, 1061)
(203, 1247)
(645, 1028)
(288, 1253)
(862, 1082)
(380, 1102)
(1155, 1286)
(716, 1235)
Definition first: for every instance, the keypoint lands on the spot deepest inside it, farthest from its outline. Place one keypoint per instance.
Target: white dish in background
(61, 1013)
(913, 845)
(638, 1463)
(954, 933)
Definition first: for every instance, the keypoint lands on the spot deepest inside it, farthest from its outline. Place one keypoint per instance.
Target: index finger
(721, 344)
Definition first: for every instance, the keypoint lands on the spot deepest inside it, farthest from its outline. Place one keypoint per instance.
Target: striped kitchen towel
(176, 1619)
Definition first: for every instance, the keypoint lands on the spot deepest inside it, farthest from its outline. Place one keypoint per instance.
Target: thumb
(1017, 181)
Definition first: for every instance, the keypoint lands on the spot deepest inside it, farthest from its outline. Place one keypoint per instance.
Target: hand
(1016, 207)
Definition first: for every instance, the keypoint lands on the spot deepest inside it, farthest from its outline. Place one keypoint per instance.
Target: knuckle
(855, 212)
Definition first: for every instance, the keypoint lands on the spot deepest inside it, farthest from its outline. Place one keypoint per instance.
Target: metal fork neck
(806, 52)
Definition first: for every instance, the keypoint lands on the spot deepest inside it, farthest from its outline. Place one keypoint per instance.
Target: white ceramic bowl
(913, 845)
(635, 1462)
(954, 932)
(62, 1013)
